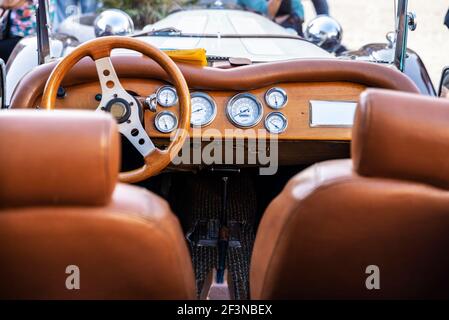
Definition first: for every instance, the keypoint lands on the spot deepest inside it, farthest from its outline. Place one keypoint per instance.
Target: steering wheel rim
(100, 51)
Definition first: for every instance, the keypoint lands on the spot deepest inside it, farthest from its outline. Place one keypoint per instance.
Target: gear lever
(223, 235)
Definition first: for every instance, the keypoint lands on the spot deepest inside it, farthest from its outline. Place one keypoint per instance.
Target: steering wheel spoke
(110, 84)
(137, 135)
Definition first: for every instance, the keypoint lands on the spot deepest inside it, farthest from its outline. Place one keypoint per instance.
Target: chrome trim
(151, 102)
(212, 102)
(330, 102)
(282, 116)
(325, 32)
(3, 85)
(170, 88)
(444, 82)
(42, 33)
(239, 96)
(113, 22)
(282, 91)
(401, 34)
(156, 124)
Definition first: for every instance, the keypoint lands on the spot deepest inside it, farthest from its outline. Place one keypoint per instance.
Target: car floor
(197, 199)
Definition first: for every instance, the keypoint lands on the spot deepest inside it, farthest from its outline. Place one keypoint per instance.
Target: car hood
(261, 46)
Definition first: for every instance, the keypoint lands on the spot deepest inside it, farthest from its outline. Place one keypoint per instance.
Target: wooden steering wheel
(122, 105)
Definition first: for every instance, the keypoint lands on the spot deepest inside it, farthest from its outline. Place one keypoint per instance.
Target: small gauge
(166, 96)
(276, 122)
(166, 121)
(244, 110)
(276, 98)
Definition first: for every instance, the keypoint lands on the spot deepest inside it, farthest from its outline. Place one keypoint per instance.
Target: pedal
(205, 233)
(235, 233)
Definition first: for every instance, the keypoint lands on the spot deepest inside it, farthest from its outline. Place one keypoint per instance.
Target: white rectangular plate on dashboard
(332, 113)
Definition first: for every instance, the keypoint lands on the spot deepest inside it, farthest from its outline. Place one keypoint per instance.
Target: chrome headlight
(325, 32)
(113, 22)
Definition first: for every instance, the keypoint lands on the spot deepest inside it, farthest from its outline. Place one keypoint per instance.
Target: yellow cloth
(192, 56)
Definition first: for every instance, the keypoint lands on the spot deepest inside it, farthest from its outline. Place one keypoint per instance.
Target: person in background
(321, 7)
(7, 42)
(19, 21)
(287, 13)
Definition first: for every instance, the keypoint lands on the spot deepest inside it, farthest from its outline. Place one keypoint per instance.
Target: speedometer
(204, 109)
(244, 110)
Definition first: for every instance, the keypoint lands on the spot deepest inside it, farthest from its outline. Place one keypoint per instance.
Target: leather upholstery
(402, 137)
(125, 241)
(317, 238)
(49, 158)
(132, 248)
(250, 77)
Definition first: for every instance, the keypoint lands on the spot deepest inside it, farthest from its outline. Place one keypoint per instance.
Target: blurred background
(365, 21)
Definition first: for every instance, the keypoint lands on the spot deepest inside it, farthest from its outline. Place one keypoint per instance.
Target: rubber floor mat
(200, 198)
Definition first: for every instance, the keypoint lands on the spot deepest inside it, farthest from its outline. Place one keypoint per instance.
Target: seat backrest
(374, 227)
(67, 230)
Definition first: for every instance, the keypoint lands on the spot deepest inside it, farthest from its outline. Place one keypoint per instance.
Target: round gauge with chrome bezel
(276, 98)
(204, 109)
(166, 121)
(167, 96)
(276, 122)
(244, 110)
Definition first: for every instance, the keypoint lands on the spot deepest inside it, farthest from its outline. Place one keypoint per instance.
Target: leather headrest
(57, 157)
(402, 136)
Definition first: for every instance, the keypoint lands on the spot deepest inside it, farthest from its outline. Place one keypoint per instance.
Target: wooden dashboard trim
(240, 78)
(297, 109)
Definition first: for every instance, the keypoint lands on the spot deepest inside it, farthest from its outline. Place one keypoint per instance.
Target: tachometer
(276, 122)
(166, 121)
(276, 98)
(244, 110)
(204, 109)
(166, 96)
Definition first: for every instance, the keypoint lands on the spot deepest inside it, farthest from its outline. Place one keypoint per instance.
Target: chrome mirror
(444, 84)
(113, 22)
(325, 32)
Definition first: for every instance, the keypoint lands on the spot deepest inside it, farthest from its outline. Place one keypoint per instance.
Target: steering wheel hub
(119, 108)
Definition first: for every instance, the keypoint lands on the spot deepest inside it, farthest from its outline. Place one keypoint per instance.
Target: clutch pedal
(205, 233)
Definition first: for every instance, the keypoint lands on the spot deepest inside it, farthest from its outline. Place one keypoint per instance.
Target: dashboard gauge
(204, 109)
(276, 122)
(166, 96)
(244, 110)
(166, 121)
(276, 98)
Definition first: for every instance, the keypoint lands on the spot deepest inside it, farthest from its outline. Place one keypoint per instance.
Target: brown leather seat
(388, 208)
(60, 209)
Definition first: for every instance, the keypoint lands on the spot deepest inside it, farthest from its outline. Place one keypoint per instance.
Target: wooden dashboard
(303, 80)
(296, 111)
